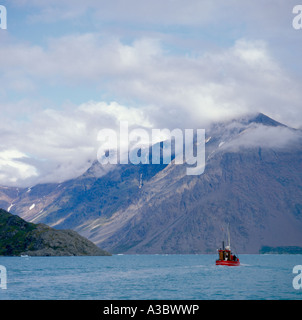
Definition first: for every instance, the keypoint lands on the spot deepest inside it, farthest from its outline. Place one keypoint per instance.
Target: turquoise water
(146, 277)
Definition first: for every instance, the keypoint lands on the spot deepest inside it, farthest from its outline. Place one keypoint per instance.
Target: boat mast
(229, 238)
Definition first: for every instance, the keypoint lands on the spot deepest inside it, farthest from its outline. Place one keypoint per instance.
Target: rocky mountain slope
(18, 237)
(252, 181)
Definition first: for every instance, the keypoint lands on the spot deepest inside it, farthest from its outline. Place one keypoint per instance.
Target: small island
(281, 250)
(18, 237)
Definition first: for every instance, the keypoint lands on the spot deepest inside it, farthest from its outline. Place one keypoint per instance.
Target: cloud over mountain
(170, 64)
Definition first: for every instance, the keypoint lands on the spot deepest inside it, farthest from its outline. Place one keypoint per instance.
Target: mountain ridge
(252, 180)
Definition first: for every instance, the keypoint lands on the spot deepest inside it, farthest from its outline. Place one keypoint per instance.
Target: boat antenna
(229, 238)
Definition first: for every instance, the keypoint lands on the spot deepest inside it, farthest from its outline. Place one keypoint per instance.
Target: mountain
(18, 237)
(252, 181)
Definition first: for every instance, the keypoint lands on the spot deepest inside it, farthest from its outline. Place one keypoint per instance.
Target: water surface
(144, 277)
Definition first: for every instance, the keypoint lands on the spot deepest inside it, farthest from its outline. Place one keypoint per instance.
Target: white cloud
(148, 83)
(172, 91)
(56, 145)
(117, 112)
(182, 91)
(12, 169)
(256, 136)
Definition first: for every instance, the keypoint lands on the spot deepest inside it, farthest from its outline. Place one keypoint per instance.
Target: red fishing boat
(225, 255)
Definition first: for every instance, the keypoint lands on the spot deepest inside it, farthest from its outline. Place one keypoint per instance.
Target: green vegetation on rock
(20, 237)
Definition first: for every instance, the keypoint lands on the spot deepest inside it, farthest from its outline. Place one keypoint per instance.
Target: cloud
(258, 135)
(76, 59)
(175, 90)
(169, 91)
(13, 169)
(161, 64)
(56, 145)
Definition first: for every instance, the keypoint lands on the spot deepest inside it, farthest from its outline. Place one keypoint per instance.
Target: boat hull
(227, 263)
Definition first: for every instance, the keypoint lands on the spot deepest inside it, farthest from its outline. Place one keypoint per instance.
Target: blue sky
(71, 68)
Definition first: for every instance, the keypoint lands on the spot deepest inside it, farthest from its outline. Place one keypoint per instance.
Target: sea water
(150, 277)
